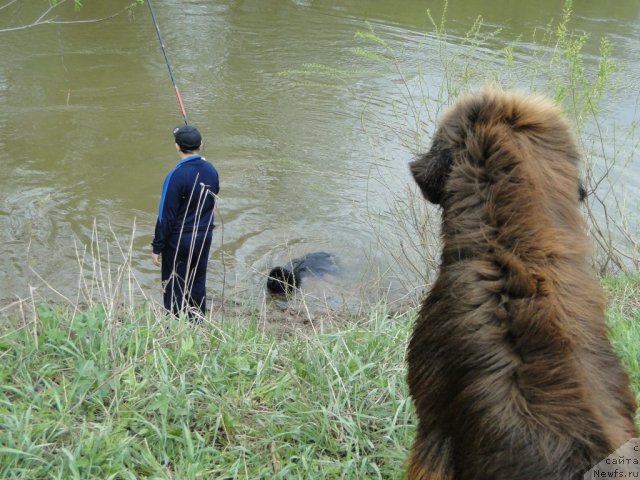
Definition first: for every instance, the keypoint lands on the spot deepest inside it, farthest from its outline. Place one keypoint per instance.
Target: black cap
(187, 137)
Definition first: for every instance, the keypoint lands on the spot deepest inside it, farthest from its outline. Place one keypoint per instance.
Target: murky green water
(86, 113)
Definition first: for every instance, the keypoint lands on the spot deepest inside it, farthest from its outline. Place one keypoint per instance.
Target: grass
(84, 395)
(624, 325)
(91, 395)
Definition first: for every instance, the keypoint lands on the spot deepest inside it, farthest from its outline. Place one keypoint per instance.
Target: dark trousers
(184, 273)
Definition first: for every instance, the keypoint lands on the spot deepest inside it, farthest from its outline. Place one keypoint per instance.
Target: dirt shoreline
(274, 315)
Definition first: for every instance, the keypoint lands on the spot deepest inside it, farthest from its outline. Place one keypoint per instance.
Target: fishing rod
(166, 60)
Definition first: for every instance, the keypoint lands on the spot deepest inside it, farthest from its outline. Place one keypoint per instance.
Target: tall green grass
(624, 325)
(88, 395)
(93, 395)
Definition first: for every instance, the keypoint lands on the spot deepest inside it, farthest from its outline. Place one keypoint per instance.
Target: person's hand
(155, 258)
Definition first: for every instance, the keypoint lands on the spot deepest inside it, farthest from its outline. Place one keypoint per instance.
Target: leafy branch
(47, 17)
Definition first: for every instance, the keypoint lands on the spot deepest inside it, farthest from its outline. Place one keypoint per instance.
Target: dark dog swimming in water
(285, 279)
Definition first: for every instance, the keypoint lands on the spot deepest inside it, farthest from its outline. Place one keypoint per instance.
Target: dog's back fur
(509, 365)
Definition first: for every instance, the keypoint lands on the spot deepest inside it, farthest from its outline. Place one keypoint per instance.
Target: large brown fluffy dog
(510, 368)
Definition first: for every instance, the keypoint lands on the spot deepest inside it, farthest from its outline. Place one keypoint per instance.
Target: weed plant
(445, 64)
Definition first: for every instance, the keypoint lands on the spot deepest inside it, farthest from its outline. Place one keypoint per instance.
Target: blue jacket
(187, 200)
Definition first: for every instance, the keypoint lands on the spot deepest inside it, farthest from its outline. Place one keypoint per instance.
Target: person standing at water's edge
(185, 223)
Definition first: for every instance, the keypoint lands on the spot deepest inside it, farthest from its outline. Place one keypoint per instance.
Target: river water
(311, 136)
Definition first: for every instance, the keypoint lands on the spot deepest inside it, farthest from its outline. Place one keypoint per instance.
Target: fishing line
(166, 60)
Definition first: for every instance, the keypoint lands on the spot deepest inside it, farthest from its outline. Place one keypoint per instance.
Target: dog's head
(475, 129)
(431, 170)
(281, 280)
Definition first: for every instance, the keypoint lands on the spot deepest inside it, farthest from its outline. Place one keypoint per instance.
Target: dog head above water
(281, 280)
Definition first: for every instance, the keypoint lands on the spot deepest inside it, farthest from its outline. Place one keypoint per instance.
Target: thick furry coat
(509, 365)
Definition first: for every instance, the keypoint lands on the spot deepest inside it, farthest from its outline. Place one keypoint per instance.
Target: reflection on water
(86, 113)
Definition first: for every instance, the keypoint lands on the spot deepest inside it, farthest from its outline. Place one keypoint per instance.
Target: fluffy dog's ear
(431, 170)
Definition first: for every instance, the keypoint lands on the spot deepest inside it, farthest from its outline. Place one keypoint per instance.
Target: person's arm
(216, 184)
(167, 212)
